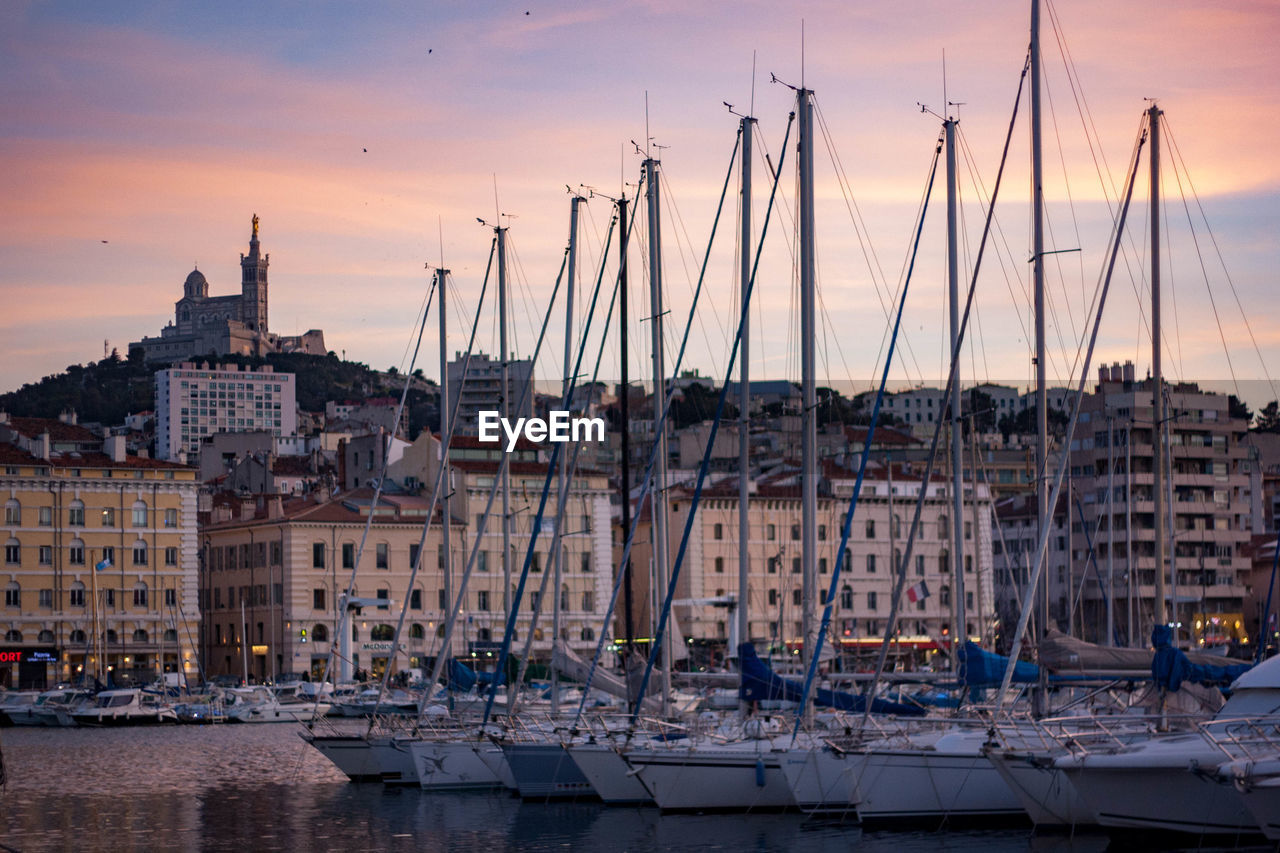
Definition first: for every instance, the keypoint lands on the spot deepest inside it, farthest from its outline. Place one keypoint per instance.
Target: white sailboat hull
(821, 780)
(733, 777)
(454, 765)
(611, 776)
(1046, 794)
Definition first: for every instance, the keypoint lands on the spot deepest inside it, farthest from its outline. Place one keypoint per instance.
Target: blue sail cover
(761, 682)
(1171, 666)
(461, 676)
(981, 668)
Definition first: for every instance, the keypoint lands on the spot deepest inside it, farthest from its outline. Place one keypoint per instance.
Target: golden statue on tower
(255, 226)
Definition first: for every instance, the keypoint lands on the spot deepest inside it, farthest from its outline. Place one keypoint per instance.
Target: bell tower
(253, 285)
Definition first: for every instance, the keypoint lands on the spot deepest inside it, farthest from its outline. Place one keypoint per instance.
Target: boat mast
(504, 406)
(445, 480)
(1043, 512)
(557, 542)
(746, 125)
(1158, 412)
(658, 494)
(244, 641)
(809, 412)
(624, 416)
(959, 630)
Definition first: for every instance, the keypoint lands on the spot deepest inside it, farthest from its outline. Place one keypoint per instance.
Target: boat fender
(759, 772)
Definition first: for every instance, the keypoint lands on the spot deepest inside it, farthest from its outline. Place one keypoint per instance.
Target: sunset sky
(140, 137)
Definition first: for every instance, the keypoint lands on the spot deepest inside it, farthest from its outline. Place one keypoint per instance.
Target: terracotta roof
(58, 431)
(295, 466)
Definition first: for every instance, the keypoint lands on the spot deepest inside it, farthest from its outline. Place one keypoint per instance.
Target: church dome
(196, 285)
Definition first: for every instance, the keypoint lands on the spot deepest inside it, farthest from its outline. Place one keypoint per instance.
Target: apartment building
(100, 561)
(195, 402)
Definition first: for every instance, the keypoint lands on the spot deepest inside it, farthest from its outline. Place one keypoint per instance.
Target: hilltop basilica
(226, 325)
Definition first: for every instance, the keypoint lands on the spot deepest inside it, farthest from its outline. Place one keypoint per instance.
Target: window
(75, 596)
(871, 528)
(944, 596)
(317, 599)
(585, 561)
(139, 553)
(13, 636)
(968, 530)
(170, 518)
(383, 556)
(895, 526)
(415, 599)
(414, 548)
(968, 563)
(440, 600)
(417, 632)
(795, 565)
(795, 597)
(76, 553)
(718, 531)
(942, 526)
(75, 514)
(822, 533)
(385, 595)
(139, 514)
(170, 598)
(171, 556)
(968, 600)
(846, 597)
(482, 600)
(587, 634)
(944, 563)
(848, 560)
(140, 635)
(770, 532)
(348, 555)
(588, 601)
(871, 600)
(537, 563)
(795, 533)
(46, 555)
(108, 516)
(13, 513)
(109, 596)
(773, 596)
(13, 552)
(320, 633)
(564, 597)
(822, 565)
(871, 564)
(773, 565)
(317, 555)
(46, 516)
(482, 561)
(78, 636)
(140, 595)
(720, 565)
(109, 555)
(46, 598)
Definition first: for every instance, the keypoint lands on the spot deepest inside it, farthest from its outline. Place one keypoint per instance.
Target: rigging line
(377, 494)
(711, 443)
(975, 177)
(847, 526)
(1180, 364)
(1244, 316)
(1071, 205)
(530, 304)
(1043, 536)
(422, 307)
(870, 257)
(674, 210)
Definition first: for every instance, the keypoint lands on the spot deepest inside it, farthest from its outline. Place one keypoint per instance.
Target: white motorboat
(131, 706)
(16, 702)
(51, 708)
(261, 705)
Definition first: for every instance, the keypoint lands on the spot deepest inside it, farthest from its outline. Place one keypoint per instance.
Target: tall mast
(557, 543)
(744, 397)
(504, 392)
(959, 629)
(808, 421)
(1043, 516)
(624, 415)
(1157, 409)
(658, 494)
(445, 480)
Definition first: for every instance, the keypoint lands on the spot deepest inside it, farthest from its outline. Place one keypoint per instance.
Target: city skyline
(142, 138)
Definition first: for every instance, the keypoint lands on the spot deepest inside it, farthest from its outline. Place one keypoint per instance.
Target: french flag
(919, 592)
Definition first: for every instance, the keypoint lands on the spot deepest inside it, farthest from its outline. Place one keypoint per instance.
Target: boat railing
(1244, 737)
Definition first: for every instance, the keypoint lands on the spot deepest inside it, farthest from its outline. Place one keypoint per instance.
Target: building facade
(100, 562)
(480, 389)
(193, 403)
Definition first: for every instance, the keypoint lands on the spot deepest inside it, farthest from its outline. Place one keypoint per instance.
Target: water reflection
(262, 788)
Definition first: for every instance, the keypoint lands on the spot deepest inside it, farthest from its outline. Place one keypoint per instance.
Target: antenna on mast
(802, 53)
(752, 110)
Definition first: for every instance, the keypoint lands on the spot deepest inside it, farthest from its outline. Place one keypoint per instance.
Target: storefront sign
(29, 656)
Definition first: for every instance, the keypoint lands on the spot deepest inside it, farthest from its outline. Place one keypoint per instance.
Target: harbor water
(260, 787)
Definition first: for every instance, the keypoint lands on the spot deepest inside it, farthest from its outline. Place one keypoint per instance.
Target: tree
(1268, 419)
(1236, 408)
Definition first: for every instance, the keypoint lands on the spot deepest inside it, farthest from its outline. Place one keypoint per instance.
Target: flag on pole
(103, 565)
(919, 592)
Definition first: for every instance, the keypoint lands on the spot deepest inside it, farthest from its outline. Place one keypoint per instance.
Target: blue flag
(105, 564)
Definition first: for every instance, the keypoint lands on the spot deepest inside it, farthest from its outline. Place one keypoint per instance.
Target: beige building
(73, 502)
(866, 584)
(276, 567)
